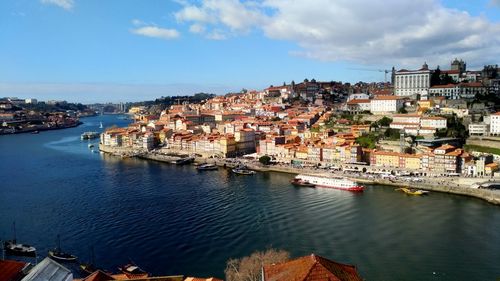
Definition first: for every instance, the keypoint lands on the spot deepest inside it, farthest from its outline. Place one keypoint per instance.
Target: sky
(130, 50)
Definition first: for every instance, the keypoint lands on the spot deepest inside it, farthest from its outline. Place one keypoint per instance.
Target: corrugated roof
(49, 270)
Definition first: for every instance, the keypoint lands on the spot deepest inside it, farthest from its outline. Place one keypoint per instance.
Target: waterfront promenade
(453, 185)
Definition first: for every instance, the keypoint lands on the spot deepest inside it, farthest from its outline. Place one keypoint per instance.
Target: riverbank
(39, 128)
(459, 186)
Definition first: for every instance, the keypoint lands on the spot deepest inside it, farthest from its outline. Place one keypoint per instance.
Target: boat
(89, 267)
(331, 182)
(58, 255)
(243, 171)
(182, 161)
(100, 125)
(206, 167)
(35, 132)
(299, 182)
(89, 135)
(131, 270)
(90, 145)
(11, 247)
(411, 191)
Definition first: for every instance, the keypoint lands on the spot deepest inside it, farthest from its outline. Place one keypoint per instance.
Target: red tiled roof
(10, 270)
(310, 268)
(99, 276)
(358, 101)
(387, 98)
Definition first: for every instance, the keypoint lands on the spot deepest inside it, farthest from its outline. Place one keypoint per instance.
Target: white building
(435, 122)
(410, 82)
(495, 124)
(478, 129)
(358, 96)
(385, 104)
(457, 91)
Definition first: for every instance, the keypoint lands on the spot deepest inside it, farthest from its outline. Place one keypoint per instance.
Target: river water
(175, 220)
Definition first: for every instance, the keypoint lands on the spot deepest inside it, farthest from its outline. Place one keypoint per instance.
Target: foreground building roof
(310, 268)
(11, 270)
(49, 269)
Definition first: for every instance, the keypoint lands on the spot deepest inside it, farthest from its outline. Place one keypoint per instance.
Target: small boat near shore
(58, 255)
(411, 191)
(331, 182)
(11, 247)
(207, 167)
(89, 135)
(131, 270)
(302, 183)
(243, 171)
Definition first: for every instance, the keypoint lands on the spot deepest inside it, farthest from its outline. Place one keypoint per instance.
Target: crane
(385, 71)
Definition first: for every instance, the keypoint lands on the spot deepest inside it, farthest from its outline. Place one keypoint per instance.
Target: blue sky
(128, 50)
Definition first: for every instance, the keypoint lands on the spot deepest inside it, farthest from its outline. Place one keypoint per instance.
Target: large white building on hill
(411, 82)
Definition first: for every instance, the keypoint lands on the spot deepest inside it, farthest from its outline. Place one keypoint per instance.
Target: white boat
(100, 125)
(89, 135)
(206, 167)
(331, 182)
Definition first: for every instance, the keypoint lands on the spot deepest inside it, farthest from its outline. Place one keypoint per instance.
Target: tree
(436, 77)
(266, 160)
(250, 268)
(385, 121)
(402, 110)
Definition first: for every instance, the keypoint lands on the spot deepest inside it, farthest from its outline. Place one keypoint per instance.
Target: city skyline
(94, 51)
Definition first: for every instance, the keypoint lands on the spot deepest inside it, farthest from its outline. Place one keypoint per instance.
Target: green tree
(265, 160)
(384, 122)
(402, 110)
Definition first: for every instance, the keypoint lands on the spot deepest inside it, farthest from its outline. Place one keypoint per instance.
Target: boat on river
(206, 167)
(58, 255)
(11, 247)
(89, 135)
(131, 270)
(301, 183)
(411, 191)
(243, 171)
(331, 182)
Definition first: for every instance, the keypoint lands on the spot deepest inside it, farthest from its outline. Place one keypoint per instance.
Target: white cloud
(235, 16)
(495, 2)
(216, 35)
(65, 4)
(400, 32)
(197, 28)
(156, 32)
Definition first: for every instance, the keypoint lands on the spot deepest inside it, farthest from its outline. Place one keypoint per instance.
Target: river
(175, 220)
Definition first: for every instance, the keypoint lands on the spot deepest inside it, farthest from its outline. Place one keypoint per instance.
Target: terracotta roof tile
(310, 268)
(10, 270)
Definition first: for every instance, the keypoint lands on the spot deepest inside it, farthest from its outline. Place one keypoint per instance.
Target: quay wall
(453, 186)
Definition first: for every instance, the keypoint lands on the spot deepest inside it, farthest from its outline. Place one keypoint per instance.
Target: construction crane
(385, 71)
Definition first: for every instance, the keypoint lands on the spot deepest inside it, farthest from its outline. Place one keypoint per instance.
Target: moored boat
(133, 271)
(89, 135)
(11, 247)
(331, 182)
(59, 255)
(411, 191)
(302, 183)
(243, 171)
(206, 167)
